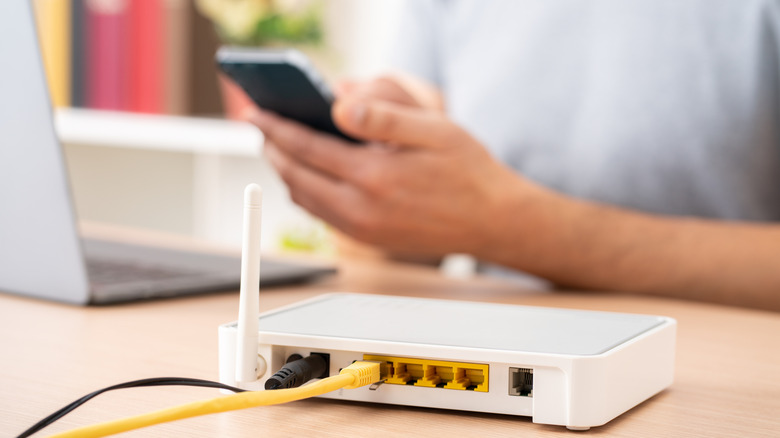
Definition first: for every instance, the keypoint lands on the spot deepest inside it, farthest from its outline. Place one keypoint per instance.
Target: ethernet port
(521, 382)
(386, 369)
(416, 373)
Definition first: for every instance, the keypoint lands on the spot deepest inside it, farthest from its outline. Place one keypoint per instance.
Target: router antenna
(249, 298)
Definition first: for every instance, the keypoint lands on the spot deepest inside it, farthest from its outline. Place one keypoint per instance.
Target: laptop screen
(39, 247)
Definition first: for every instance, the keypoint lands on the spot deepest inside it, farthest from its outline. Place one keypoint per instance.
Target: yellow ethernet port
(432, 373)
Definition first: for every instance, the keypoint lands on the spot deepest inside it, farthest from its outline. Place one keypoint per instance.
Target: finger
(425, 93)
(389, 122)
(321, 151)
(346, 86)
(384, 88)
(314, 191)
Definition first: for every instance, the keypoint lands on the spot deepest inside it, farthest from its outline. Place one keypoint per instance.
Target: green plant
(265, 22)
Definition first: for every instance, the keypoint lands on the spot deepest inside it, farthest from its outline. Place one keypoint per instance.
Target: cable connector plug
(365, 373)
(298, 371)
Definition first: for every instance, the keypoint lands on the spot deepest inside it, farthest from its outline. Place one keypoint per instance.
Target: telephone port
(521, 382)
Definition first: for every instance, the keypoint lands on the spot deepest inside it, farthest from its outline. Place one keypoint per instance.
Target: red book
(146, 65)
(107, 25)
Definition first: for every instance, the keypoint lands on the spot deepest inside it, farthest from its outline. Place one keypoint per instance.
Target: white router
(572, 368)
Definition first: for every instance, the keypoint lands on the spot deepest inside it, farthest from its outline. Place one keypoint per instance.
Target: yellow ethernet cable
(360, 373)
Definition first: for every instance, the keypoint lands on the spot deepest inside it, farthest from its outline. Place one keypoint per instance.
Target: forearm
(436, 190)
(348, 247)
(592, 246)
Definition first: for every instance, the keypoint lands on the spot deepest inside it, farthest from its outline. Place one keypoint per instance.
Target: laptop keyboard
(117, 272)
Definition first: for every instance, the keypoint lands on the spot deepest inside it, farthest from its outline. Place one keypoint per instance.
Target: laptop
(41, 253)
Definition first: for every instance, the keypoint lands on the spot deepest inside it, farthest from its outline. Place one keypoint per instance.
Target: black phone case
(285, 90)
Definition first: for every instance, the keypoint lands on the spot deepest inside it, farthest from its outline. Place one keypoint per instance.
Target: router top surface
(459, 324)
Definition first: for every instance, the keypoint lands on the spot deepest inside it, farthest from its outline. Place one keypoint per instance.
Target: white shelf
(157, 132)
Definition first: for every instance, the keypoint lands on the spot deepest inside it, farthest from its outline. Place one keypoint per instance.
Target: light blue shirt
(664, 106)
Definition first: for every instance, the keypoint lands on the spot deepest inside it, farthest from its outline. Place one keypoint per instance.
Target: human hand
(398, 88)
(436, 191)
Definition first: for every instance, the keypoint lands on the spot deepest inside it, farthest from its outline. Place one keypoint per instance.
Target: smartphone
(282, 81)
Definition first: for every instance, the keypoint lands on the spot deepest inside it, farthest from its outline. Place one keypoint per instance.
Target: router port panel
(433, 373)
(492, 397)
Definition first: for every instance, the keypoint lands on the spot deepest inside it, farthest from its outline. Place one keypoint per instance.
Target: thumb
(377, 120)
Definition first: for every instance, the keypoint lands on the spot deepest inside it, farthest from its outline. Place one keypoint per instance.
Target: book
(53, 26)
(78, 53)
(204, 94)
(108, 60)
(147, 46)
(176, 74)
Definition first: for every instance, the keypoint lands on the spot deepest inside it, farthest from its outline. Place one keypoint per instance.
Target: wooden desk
(727, 376)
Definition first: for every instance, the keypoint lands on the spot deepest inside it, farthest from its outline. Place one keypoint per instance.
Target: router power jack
(299, 370)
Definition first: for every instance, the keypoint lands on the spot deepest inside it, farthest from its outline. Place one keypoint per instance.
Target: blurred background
(146, 121)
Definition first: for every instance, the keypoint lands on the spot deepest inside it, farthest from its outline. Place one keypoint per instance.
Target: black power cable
(156, 381)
